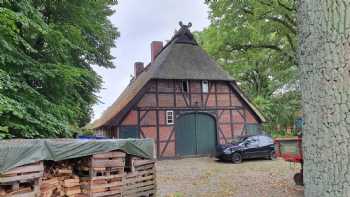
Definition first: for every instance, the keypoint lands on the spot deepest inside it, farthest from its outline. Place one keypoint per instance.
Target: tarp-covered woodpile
(50, 168)
(19, 152)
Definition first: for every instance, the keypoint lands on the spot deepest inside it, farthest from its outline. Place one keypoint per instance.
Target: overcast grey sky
(140, 22)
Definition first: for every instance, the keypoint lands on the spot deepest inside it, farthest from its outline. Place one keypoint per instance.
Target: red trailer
(290, 149)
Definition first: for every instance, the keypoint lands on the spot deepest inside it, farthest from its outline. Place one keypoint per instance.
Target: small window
(184, 86)
(205, 86)
(170, 117)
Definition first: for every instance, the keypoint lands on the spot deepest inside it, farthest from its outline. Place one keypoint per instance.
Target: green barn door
(185, 135)
(195, 134)
(205, 133)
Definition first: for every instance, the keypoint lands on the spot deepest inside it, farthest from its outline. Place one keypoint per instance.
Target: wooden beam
(242, 115)
(143, 115)
(216, 94)
(139, 123)
(223, 135)
(189, 92)
(164, 141)
(174, 92)
(142, 133)
(208, 94)
(232, 128)
(191, 108)
(167, 143)
(120, 116)
(201, 85)
(246, 102)
(157, 93)
(220, 114)
(157, 121)
(245, 120)
(217, 127)
(185, 99)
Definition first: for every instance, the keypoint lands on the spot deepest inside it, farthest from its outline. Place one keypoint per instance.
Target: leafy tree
(47, 84)
(255, 41)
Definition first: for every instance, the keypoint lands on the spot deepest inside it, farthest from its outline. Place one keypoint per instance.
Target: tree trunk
(324, 59)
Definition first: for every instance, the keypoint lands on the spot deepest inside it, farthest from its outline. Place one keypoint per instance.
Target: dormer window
(205, 86)
(184, 85)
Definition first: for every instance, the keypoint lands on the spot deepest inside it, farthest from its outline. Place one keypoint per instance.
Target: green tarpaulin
(19, 152)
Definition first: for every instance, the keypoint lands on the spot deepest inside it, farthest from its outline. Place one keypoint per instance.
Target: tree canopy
(47, 47)
(255, 41)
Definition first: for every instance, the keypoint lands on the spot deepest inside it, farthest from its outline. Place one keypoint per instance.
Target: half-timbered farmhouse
(183, 100)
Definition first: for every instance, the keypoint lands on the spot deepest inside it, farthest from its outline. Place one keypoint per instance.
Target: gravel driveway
(208, 177)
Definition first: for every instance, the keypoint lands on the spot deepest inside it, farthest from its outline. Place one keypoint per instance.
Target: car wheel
(272, 155)
(298, 179)
(236, 158)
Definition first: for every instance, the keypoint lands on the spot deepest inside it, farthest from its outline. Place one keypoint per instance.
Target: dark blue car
(247, 147)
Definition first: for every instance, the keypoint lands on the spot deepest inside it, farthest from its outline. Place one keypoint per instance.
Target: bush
(283, 133)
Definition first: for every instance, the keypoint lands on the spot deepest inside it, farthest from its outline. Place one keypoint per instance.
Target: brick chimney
(156, 47)
(138, 68)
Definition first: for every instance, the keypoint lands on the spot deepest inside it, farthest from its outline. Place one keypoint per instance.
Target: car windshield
(238, 140)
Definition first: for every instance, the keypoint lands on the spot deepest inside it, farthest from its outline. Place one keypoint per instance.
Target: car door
(251, 149)
(265, 146)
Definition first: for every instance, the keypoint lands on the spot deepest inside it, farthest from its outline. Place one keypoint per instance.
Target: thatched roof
(186, 61)
(181, 58)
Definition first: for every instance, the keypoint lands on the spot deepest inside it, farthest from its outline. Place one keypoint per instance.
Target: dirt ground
(208, 177)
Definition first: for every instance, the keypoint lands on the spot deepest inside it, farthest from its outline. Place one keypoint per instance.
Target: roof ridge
(183, 35)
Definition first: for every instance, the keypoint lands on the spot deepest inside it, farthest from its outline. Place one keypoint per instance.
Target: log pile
(50, 187)
(21, 181)
(59, 180)
(71, 186)
(98, 175)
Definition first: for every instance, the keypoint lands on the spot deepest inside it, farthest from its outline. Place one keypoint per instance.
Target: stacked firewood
(21, 181)
(105, 173)
(59, 180)
(50, 187)
(141, 180)
(71, 186)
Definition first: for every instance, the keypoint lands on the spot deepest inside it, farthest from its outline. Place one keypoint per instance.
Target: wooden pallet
(23, 173)
(22, 192)
(142, 181)
(105, 185)
(22, 181)
(113, 159)
(105, 174)
(100, 163)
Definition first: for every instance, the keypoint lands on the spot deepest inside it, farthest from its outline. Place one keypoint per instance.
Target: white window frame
(205, 86)
(169, 117)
